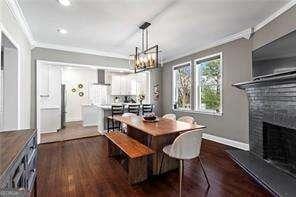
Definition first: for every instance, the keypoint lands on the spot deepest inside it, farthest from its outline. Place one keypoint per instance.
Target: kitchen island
(96, 115)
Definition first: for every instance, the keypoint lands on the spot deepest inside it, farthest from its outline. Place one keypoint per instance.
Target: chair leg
(181, 176)
(203, 170)
(159, 171)
(113, 125)
(108, 125)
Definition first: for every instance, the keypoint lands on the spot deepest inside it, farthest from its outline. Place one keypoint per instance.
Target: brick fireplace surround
(273, 101)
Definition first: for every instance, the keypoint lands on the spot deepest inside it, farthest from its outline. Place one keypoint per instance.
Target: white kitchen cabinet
(50, 86)
(50, 119)
(115, 85)
(131, 85)
(89, 115)
(44, 81)
(124, 84)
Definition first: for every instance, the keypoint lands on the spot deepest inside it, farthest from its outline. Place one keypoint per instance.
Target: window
(182, 86)
(208, 84)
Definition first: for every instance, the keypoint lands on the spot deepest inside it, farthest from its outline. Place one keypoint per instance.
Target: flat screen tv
(276, 57)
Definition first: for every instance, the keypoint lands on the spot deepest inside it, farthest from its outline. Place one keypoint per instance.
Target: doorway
(9, 85)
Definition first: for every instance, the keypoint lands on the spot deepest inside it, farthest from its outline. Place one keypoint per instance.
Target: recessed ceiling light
(62, 31)
(64, 2)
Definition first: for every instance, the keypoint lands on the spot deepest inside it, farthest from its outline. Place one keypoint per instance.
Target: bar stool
(185, 146)
(115, 110)
(135, 109)
(147, 108)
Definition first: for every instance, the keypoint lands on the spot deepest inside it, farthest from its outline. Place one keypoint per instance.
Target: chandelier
(148, 57)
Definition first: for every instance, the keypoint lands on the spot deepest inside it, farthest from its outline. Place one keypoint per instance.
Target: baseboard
(54, 131)
(233, 143)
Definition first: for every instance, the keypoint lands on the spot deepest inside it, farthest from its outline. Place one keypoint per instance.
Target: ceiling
(178, 26)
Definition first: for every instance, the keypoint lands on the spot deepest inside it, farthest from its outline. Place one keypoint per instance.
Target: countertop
(11, 145)
(108, 106)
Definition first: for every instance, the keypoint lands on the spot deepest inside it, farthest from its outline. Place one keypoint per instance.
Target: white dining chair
(170, 116)
(186, 146)
(124, 126)
(187, 119)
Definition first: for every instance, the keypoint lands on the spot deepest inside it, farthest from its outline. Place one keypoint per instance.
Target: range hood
(101, 78)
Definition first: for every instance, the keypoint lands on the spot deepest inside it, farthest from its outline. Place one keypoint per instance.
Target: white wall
(10, 87)
(12, 29)
(71, 77)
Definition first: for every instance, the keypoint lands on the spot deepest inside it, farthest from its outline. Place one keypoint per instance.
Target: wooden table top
(162, 127)
(11, 144)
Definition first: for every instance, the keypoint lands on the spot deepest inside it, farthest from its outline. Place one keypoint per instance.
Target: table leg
(137, 170)
(156, 144)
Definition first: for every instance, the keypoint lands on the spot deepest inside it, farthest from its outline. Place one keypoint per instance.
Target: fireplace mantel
(268, 80)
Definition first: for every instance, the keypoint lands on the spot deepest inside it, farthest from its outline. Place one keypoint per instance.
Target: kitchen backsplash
(124, 99)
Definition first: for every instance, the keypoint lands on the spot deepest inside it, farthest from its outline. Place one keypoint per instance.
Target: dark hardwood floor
(82, 168)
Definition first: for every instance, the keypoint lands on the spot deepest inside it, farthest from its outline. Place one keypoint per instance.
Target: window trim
(196, 91)
(174, 89)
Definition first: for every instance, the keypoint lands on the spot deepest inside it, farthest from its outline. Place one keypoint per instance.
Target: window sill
(199, 112)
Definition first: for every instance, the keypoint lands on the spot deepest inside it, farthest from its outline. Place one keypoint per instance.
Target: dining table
(156, 135)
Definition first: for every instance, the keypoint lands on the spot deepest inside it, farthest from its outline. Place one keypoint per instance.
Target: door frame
(40, 63)
(4, 31)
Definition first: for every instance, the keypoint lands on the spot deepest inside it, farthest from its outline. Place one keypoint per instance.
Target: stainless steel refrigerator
(63, 106)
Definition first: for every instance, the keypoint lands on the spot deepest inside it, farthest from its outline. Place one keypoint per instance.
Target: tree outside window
(208, 78)
(182, 86)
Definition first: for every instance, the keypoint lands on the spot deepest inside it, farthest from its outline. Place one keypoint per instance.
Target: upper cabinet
(115, 85)
(44, 81)
(124, 85)
(50, 85)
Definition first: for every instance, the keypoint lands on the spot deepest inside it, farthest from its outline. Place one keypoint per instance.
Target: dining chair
(170, 116)
(124, 126)
(115, 110)
(134, 109)
(147, 108)
(187, 119)
(186, 146)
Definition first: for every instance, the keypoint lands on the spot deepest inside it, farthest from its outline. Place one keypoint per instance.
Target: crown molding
(79, 50)
(275, 15)
(16, 11)
(247, 33)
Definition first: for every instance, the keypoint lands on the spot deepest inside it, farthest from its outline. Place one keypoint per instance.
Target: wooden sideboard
(18, 161)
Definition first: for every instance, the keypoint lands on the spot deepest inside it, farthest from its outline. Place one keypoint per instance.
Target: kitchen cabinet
(90, 115)
(50, 119)
(44, 82)
(131, 85)
(115, 85)
(50, 85)
(124, 85)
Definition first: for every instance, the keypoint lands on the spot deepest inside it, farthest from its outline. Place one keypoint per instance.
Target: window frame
(174, 88)
(197, 86)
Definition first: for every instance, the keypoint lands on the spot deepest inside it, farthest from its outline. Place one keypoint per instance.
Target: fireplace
(279, 147)
(272, 133)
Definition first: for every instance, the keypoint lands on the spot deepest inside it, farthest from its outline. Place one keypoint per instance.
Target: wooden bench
(135, 151)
